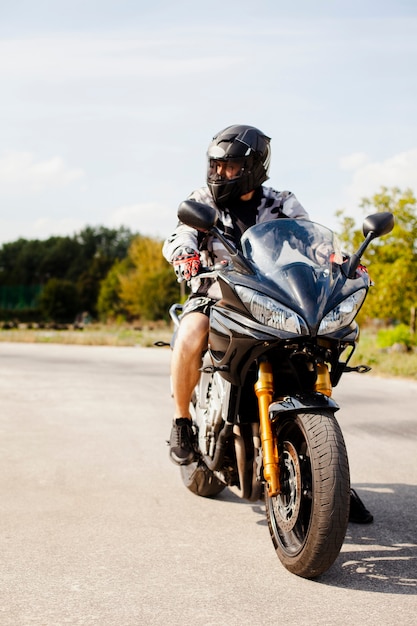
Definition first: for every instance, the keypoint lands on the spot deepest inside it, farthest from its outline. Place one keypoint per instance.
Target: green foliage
(384, 362)
(20, 263)
(391, 260)
(83, 260)
(387, 337)
(109, 304)
(56, 259)
(160, 291)
(59, 301)
(103, 271)
(142, 286)
(149, 287)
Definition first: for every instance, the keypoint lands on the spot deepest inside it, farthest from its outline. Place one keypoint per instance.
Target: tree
(101, 248)
(149, 287)
(391, 260)
(57, 256)
(59, 301)
(109, 303)
(84, 260)
(20, 261)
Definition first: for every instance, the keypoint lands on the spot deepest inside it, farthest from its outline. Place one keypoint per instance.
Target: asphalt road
(97, 529)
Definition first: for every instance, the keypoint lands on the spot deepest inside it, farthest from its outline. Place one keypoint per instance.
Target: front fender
(302, 403)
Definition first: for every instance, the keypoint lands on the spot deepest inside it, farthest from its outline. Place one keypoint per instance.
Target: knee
(192, 333)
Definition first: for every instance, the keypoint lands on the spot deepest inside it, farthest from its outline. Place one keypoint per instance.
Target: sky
(107, 107)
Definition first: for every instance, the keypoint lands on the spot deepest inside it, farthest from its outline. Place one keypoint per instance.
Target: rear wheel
(196, 476)
(308, 519)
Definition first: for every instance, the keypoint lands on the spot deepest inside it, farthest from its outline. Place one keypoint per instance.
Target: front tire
(308, 519)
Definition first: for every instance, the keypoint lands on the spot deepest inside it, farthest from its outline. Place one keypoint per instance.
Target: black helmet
(242, 144)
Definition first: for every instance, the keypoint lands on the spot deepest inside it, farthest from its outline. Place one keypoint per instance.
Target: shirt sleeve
(185, 236)
(182, 237)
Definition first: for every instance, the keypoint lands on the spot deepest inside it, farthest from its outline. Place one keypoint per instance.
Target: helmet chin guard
(246, 146)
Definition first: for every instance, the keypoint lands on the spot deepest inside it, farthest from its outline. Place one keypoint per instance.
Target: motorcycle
(280, 338)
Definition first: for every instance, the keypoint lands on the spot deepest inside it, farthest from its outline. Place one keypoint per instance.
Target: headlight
(270, 312)
(343, 314)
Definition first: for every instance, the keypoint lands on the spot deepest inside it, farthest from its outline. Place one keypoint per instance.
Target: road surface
(97, 529)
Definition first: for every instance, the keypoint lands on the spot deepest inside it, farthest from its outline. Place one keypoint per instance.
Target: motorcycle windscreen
(301, 257)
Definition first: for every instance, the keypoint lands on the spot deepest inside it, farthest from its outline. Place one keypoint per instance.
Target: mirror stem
(355, 259)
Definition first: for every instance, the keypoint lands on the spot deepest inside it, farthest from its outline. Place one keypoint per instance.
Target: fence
(19, 297)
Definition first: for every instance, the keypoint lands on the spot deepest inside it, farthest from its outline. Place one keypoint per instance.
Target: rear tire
(308, 519)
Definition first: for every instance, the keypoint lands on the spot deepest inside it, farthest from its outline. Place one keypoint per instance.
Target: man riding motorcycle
(238, 165)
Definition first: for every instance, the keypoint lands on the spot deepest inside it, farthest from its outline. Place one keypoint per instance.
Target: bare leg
(190, 342)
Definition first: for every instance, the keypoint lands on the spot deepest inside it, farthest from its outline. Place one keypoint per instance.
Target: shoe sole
(177, 461)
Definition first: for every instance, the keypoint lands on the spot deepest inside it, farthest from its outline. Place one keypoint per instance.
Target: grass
(384, 362)
(91, 335)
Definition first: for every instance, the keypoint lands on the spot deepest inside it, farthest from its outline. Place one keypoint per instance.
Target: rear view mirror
(378, 224)
(375, 225)
(203, 217)
(197, 215)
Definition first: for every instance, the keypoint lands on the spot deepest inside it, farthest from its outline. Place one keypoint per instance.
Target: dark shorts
(198, 304)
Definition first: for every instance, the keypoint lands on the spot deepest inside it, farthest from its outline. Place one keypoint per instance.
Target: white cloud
(42, 228)
(14, 228)
(369, 176)
(148, 218)
(78, 57)
(21, 172)
(353, 161)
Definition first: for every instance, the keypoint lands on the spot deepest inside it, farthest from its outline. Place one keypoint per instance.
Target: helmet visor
(223, 170)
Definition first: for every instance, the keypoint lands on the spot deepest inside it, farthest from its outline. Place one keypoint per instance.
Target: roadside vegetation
(395, 359)
(94, 334)
(113, 287)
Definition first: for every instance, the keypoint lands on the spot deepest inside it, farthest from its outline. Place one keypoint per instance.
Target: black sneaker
(358, 514)
(181, 448)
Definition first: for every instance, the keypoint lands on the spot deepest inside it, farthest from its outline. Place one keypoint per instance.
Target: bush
(59, 301)
(399, 334)
(109, 304)
(24, 316)
(149, 287)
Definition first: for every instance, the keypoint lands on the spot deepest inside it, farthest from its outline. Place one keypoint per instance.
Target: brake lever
(207, 272)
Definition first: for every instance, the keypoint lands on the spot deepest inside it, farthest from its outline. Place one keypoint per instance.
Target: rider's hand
(361, 269)
(186, 264)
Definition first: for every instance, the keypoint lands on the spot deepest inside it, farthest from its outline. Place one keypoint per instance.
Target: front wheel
(308, 519)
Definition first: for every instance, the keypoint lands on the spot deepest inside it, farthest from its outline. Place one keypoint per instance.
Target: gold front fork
(323, 384)
(264, 389)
